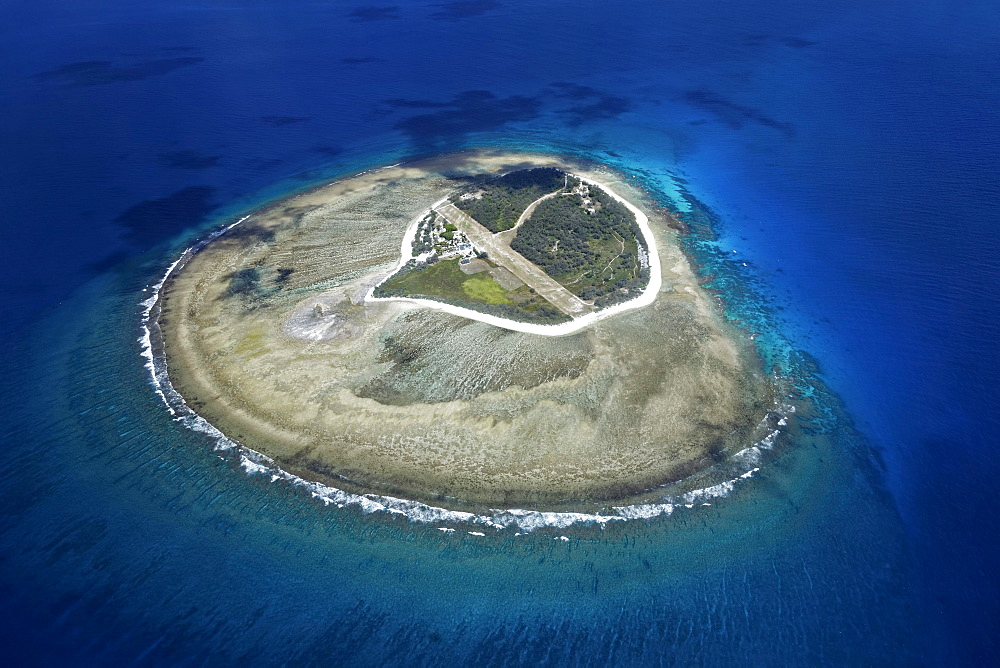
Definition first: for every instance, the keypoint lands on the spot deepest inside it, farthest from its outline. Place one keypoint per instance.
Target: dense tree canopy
(583, 237)
(500, 202)
(590, 244)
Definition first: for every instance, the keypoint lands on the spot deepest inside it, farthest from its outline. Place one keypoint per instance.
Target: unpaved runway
(498, 249)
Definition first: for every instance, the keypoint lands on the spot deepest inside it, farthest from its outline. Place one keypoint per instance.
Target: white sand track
(579, 322)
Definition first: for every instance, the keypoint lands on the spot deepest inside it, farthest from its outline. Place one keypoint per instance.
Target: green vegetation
(422, 240)
(485, 289)
(529, 301)
(445, 282)
(589, 243)
(500, 202)
(583, 238)
(440, 279)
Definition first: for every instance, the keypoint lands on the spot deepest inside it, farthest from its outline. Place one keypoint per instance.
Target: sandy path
(498, 250)
(508, 235)
(647, 297)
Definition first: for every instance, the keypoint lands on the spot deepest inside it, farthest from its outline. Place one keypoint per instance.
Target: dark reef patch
(360, 61)
(734, 115)
(279, 121)
(797, 42)
(251, 232)
(471, 111)
(100, 72)
(364, 14)
(326, 149)
(592, 104)
(463, 9)
(108, 262)
(244, 281)
(401, 103)
(188, 159)
(155, 220)
(482, 111)
(262, 164)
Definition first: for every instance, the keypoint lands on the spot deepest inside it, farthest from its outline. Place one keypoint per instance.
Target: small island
(530, 246)
(485, 328)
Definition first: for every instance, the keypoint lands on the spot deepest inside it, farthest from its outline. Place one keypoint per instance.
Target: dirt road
(498, 249)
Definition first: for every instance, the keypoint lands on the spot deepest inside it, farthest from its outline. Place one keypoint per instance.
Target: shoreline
(249, 412)
(647, 297)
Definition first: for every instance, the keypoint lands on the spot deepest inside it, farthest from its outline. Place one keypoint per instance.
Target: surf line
(160, 381)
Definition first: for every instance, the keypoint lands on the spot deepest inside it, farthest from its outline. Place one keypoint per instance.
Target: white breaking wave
(256, 463)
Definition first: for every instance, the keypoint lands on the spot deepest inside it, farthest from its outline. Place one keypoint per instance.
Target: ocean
(836, 163)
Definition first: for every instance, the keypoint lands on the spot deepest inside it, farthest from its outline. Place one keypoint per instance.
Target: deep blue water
(846, 153)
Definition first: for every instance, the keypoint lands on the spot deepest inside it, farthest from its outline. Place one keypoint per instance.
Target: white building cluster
(433, 231)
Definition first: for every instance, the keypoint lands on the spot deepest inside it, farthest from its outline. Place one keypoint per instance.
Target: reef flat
(270, 334)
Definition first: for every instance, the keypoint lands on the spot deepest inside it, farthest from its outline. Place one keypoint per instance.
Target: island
(530, 246)
(484, 328)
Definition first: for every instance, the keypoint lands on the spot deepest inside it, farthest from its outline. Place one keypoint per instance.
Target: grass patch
(486, 290)
(441, 279)
(445, 282)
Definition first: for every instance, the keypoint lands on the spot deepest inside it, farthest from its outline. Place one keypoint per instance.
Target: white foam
(644, 511)
(159, 377)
